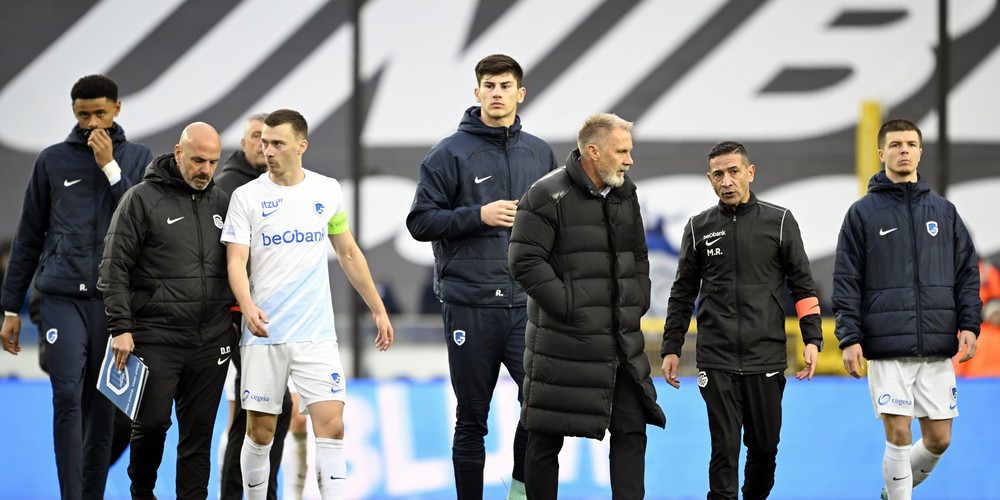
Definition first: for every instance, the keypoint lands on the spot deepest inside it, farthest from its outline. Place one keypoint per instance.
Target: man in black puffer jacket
(906, 296)
(738, 256)
(578, 248)
(166, 290)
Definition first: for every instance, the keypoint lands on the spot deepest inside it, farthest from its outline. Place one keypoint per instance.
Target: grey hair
(256, 117)
(598, 126)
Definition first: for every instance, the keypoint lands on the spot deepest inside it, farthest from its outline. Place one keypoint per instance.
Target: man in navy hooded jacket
(906, 297)
(465, 204)
(73, 191)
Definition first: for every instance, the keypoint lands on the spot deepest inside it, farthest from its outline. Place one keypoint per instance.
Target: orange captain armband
(807, 306)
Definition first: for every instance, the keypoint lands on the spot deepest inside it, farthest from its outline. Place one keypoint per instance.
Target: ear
(520, 94)
(303, 146)
(177, 153)
(750, 171)
(593, 151)
(475, 92)
(118, 107)
(881, 155)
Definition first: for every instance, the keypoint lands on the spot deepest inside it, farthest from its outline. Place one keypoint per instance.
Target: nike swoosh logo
(771, 374)
(256, 485)
(336, 478)
(69, 183)
(265, 214)
(894, 478)
(335, 390)
(223, 360)
(478, 180)
(171, 221)
(883, 232)
(710, 243)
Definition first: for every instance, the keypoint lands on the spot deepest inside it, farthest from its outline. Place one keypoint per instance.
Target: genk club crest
(932, 228)
(458, 336)
(319, 208)
(338, 382)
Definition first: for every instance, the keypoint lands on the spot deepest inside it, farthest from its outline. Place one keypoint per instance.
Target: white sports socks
(896, 471)
(255, 461)
(922, 462)
(331, 468)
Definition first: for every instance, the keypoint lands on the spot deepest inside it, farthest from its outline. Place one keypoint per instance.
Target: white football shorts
(916, 387)
(314, 367)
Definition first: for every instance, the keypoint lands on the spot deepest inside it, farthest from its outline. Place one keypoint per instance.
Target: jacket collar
(741, 209)
(582, 180)
(472, 123)
(881, 182)
(79, 135)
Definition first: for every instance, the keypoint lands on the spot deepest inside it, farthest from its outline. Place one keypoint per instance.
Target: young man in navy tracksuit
(465, 204)
(73, 190)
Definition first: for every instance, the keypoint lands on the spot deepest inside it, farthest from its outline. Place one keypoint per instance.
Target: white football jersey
(287, 228)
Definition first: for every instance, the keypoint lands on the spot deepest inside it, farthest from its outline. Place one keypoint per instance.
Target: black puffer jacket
(475, 166)
(583, 262)
(906, 276)
(163, 274)
(738, 262)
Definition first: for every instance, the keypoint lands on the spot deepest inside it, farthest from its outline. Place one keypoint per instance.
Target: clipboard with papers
(125, 387)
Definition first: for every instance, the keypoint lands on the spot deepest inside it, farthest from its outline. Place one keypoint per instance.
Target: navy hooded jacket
(475, 166)
(906, 276)
(66, 212)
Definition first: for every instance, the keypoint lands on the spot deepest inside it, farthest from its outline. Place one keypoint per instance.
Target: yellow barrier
(830, 358)
(866, 144)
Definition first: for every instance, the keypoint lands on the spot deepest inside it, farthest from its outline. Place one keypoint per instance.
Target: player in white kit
(282, 223)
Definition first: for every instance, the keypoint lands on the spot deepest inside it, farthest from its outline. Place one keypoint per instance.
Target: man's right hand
(669, 369)
(10, 333)
(255, 319)
(854, 360)
(103, 147)
(500, 213)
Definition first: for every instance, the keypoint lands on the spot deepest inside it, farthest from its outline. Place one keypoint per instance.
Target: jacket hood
(163, 170)
(581, 179)
(79, 134)
(881, 182)
(472, 123)
(237, 162)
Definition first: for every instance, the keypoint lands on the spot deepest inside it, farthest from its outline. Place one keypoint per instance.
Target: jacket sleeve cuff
(113, 172)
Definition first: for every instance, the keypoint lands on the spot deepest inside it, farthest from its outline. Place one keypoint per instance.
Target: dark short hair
(897, 125)
(94, 87)
(728, 147)
(498, 64)
(290, 116)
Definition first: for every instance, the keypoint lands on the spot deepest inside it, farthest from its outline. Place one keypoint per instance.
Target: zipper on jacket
(201, 264)
(511, 286)
(916, 267)
(736, 299)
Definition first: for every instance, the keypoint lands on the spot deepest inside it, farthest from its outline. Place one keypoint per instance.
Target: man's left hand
(810, 355)
(967, 340)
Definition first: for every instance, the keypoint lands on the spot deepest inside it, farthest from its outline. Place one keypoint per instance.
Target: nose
(628, 159)
(93, 123)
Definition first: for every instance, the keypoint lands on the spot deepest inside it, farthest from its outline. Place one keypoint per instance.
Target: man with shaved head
(167, 296)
